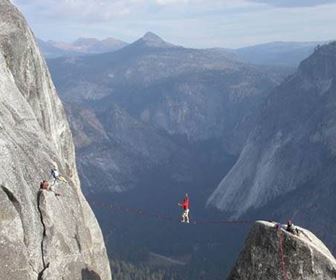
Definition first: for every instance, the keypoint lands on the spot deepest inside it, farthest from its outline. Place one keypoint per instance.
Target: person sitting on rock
(44, 186)
(292, 228)
(277, 226)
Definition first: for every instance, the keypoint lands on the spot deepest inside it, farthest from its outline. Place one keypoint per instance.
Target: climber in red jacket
(185, 205)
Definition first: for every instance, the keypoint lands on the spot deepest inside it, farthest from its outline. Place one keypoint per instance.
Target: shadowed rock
(275, 254)
(89, 275)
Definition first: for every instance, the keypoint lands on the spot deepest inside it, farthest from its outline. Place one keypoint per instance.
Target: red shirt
(185, 203)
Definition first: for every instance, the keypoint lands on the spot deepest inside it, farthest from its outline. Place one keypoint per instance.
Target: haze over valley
(154, 120)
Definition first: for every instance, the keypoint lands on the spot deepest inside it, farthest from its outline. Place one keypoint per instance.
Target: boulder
(274, 253)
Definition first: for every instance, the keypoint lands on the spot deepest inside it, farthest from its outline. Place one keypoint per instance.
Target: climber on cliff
(56, 176)
(185, 205)
(292, 228)
(44, 186)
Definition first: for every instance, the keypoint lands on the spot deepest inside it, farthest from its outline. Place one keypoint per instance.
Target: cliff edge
(42, 236)
(274, 253)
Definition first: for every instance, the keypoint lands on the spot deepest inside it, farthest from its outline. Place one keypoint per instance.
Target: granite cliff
(271, 253)
(42, 236)
(290, 154)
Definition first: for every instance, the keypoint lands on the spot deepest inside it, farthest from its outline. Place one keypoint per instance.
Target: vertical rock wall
(42, 236)
(277, 254)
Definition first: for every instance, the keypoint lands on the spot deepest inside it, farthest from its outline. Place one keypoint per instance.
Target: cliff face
(277, 254)
(41, 236)
(137, 108)
(293, 144)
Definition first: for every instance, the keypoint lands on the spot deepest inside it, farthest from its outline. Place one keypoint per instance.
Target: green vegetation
(122, 270)
(199, 267)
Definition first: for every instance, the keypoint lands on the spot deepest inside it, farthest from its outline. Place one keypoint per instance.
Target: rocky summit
(274, 253)
(42, 236)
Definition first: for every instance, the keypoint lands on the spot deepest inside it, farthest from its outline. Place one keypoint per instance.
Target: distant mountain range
(82, 46)
(288, 54)
(147, 95)
(277, 53)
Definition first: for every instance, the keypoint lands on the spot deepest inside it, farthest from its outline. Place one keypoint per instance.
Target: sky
(191, 23)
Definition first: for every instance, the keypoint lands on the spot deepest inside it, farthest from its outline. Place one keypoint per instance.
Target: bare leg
(183, 217)
(187, 215)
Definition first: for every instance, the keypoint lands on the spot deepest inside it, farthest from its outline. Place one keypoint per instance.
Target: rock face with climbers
(42, 236)
(274, 253)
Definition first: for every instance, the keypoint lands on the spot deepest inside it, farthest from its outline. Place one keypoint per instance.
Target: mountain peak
(150, 36)
(150, 39)
(321, 64)
(85, 41)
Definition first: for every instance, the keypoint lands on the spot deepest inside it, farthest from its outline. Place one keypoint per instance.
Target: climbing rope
(282, 255)
(158, 216)
(140, 212)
